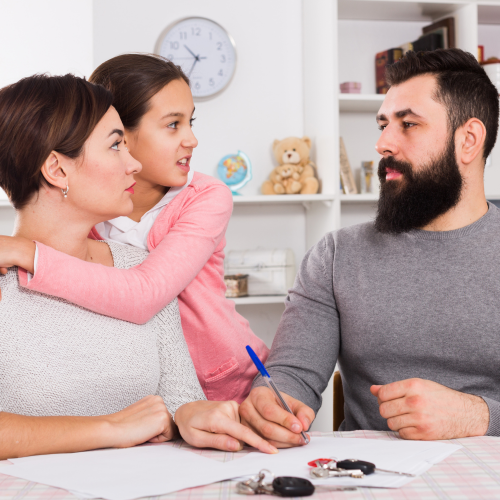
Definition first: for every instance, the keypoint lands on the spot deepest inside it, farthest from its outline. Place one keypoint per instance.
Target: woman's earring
(65, 191)
(126, 148)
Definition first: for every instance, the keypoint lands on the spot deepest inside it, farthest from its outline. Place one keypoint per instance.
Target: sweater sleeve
(309, 330)
(137, 294)
(494, 425)
(178, 383)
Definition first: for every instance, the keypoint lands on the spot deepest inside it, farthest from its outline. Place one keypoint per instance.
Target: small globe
(235, 170)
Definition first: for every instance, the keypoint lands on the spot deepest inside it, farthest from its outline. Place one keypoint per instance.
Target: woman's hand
(146, 420)
(216, 424)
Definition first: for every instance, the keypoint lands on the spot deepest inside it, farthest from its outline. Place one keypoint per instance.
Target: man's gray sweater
(392, 307)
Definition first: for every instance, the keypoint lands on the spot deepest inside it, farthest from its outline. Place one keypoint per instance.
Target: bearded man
(408, 304)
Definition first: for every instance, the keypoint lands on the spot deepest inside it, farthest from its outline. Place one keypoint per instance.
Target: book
(449, 24)
(426, 43)
(382, 60)
(346, 176)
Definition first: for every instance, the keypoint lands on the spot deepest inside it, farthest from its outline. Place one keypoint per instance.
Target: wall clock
(204, 50)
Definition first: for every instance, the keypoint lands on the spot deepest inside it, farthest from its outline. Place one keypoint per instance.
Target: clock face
(205, 52)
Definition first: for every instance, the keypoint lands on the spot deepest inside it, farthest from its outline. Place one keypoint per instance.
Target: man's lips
(391, 174)
(131, 188)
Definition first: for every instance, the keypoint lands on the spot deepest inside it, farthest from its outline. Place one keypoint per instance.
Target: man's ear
(473, 135)
(54, 172)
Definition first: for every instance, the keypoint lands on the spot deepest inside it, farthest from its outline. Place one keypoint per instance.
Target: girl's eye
(172, 125)
(115, 145)
(191, 122)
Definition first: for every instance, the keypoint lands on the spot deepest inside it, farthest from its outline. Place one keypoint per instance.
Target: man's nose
(387, 144)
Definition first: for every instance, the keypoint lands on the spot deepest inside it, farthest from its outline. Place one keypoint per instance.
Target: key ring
(255, 485)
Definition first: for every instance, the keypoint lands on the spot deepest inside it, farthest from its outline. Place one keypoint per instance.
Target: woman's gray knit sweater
(57, 358)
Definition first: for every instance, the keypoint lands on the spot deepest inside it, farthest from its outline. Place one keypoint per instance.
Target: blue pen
(269, 381)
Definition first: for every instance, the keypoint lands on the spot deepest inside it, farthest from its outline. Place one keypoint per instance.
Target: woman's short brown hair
(133, 80)
(41, 114)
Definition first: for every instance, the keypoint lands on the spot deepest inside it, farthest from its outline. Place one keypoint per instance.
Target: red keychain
(322, 461)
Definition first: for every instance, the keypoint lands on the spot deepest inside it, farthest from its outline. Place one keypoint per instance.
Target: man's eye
(173, 125)
(115, 145)
(408, 124)
(382, 127)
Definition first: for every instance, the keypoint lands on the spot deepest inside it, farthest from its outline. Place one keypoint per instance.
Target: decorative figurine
(235, 171)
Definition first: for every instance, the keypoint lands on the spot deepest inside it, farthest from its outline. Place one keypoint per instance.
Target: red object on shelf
(350, 88)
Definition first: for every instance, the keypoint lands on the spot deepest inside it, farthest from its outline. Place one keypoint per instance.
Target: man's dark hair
(463, 87)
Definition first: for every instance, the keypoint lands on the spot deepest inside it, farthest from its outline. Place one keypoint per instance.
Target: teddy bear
(295, 172)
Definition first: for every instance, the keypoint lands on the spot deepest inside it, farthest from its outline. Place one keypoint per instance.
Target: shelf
(398, 10)
(282, 198)
(259, 299)
(360, 103)
(359, 198)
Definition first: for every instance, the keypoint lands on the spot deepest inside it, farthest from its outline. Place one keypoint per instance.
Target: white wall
(264, 100)
(53, 36)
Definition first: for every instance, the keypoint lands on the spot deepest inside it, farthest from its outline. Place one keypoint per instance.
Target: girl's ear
(54, 172)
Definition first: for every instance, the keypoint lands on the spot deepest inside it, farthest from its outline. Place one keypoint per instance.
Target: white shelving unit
(258, 300)
(360, 103)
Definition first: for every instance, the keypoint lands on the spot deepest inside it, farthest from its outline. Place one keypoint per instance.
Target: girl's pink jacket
(186, 261)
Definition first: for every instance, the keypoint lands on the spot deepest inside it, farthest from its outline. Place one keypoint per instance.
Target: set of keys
(329, 467)
(283, 486)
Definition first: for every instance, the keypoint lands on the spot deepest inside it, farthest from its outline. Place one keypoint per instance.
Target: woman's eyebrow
(169, 115)
(116, 131)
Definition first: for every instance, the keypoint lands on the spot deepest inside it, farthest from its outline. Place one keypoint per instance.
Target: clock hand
(192, 67)
(191, 52)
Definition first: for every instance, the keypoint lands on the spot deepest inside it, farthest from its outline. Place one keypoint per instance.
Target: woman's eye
(172, 125)
(115, 145)
(191, 122)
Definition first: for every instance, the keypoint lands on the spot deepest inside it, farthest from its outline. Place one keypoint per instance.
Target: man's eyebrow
(116, 131)
(399, 114)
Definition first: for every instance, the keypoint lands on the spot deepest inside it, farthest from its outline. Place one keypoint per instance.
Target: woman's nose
(134, 166)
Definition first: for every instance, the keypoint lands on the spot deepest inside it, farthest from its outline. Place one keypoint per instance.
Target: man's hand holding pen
(262, 413)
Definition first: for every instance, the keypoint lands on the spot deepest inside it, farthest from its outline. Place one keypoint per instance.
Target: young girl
(179, 216)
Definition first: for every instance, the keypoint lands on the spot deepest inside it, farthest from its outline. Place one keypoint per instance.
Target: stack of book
(439, 35)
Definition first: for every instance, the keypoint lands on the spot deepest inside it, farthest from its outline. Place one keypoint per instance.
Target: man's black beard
(417, 199)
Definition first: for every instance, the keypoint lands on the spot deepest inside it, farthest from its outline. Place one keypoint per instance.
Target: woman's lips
(131, 188)
(391, 174)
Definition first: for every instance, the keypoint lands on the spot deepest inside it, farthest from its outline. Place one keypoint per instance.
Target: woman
(70, 379)
(179, 217)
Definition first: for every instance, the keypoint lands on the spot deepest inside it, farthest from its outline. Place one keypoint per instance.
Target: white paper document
(126, 474)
